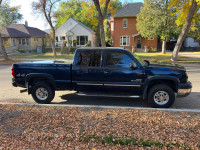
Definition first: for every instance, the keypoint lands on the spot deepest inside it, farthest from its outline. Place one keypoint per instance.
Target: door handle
(106, 72)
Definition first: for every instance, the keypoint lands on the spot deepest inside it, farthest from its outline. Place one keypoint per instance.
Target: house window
(23, 42)
(62, 38)
(13, 42)
(124, 40)
(35, 39)
(5, 41)
(56, 39)
(125, 23)
(82, 40)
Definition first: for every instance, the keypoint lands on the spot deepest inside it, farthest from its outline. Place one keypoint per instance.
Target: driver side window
(118, 59)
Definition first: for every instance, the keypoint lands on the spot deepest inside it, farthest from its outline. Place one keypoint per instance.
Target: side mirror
(147, 62)
(133, 65)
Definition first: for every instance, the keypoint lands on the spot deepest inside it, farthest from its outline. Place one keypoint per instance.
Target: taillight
(13, 72)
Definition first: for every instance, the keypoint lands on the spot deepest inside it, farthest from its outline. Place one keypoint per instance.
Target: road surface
(12, 94)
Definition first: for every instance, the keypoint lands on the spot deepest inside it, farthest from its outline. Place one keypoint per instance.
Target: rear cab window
(89, 58)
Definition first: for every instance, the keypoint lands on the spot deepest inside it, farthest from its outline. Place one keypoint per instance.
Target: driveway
(12, 94)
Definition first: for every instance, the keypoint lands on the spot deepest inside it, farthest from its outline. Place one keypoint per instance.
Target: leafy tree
(85, 12)
(68, 9)
(46, 8)
(108, 38)
(195, 33)
(156, 19)
(187, 18)
(8, 15)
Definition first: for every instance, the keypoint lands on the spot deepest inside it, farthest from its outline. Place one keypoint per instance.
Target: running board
(106, 95)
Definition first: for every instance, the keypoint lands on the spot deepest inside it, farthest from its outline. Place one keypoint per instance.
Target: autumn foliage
(43, 127)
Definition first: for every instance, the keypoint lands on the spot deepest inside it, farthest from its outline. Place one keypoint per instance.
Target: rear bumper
(13, 82)
(184, 89)
(18, 82)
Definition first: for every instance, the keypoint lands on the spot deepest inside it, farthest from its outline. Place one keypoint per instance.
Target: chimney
(26, 23)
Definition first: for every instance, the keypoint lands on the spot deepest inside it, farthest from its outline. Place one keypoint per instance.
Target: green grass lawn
(39, 56)
(166, 58)
(152, 57)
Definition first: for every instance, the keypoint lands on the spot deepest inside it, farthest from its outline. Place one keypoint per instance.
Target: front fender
(154, 78)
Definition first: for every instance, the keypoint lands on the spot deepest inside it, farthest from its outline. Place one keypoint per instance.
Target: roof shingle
(21, 31)
(130, 10)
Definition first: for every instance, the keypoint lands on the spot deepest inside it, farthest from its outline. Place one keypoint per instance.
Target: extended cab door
(87, 73)
(119, 76)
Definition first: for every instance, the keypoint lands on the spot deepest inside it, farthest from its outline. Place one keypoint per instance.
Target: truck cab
(107, 70)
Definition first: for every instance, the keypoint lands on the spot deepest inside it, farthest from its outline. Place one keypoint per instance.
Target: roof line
(124, 16)
(84, 26)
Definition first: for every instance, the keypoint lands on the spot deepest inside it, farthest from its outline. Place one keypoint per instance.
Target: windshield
(142, 62)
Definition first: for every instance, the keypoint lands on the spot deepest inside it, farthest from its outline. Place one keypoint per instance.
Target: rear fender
(40, 77)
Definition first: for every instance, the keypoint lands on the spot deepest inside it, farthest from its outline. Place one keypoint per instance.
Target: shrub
(21, 50)
(68, 50)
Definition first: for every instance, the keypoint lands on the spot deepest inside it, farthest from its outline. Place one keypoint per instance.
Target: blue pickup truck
(103, 72)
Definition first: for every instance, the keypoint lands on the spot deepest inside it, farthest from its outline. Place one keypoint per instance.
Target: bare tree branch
(97, 5)
(106, 8)
(101, 18)
(45, 7)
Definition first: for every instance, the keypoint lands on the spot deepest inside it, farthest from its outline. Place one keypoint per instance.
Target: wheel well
(173, 85)
(36, 80)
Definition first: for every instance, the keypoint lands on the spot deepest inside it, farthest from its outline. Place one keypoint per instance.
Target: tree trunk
(53, 43)
(184, 31)
(102, 33)
(5, 56)
(164, 45)
(101, 17)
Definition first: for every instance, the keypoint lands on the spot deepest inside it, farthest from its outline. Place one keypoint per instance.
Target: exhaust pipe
(22, 91)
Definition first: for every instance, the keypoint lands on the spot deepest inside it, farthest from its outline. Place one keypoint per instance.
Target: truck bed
(59, 70)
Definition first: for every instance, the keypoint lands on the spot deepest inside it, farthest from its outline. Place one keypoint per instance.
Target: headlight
(186, 77)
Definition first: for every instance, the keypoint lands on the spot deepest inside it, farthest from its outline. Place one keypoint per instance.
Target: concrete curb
(105, 107)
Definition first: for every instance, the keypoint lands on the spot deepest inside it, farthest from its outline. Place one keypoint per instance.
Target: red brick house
(124, 32)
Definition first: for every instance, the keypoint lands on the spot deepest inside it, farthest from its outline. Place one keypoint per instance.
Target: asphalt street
(8, 93)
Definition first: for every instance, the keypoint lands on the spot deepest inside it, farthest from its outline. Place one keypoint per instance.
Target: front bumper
(184, 89)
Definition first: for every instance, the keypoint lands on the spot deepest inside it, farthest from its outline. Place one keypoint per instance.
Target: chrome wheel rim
(41, 94)
(161, 97)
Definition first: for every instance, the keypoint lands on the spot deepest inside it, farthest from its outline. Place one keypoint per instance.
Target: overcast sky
(35, 20)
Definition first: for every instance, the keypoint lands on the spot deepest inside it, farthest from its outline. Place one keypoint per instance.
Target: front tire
(42, 93)
(161, 96)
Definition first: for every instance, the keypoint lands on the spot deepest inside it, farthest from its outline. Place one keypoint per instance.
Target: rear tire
(161, 96)
(42, 93)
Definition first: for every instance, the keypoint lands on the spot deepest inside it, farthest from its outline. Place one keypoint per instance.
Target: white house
(74, 30)
(190, 42)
